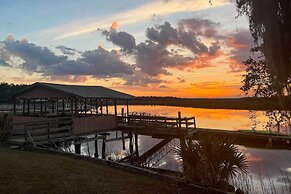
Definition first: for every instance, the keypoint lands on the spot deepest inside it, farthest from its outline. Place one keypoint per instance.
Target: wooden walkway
(164, 127)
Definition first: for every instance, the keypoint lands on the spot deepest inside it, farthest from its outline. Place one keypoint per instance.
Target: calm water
(205, 118)
(266, 166)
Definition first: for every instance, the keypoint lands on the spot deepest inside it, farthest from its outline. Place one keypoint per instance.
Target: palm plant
(211, 160)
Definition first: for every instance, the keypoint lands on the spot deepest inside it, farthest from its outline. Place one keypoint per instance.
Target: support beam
(28, 107)
(107, 106)
(72, 106)
(127, 108)
(101, 106)
(63, 105)
(115, 107)
(136, 145)
(23, 106)
(14, 106)
(57, 106)
(143, 158)
(34, 107)
(131, 147)
(96, 104)
(41, 108)
(96, 147)
(45, 106)
(53, 106)
(78, 148)
(85, 105)
(122, 134)
(76, 107)
(103, 148)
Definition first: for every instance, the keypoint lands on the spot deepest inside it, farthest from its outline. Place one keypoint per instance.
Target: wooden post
(136, 144)
(53, 106)
(101, 108)
(28, 107)
(85, 106)
(57, 106)
(106, 106)
(130, 147)
(78, 148)
(23, 106)
(115, 107)
(122, 134)
(76, 107)
(41, 107)
(179, 120)
(14, 106)
(96, 147)
(127, 108)
(90, 103)
(182, 139)
(72, 106)
(96, 101)
(103, 147)
(63, 105)
(34, 107)
(45, 106)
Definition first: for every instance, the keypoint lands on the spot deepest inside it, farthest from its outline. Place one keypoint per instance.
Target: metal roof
(82, 91)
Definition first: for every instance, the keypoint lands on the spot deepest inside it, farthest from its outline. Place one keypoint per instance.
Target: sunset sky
(183, 48)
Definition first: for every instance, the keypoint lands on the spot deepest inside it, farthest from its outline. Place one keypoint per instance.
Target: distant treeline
(248, 103)
(6, 90)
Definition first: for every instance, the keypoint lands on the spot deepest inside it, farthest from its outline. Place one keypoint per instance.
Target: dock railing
(42, 132)
(147, 120)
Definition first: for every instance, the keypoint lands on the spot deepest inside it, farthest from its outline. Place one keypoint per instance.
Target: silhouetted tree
(270, 26)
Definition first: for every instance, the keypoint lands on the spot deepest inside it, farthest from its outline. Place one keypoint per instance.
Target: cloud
(200, 27)
(123, 39)
(68, 78)
(129, 17)
(240, 43)
(66, 50)
(154, 57)
(141, 79)
(37, 59)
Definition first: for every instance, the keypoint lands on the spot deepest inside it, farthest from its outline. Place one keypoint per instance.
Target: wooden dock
(54, 132)
(165, 127)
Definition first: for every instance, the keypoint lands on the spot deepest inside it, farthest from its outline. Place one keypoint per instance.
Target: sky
(183, 48)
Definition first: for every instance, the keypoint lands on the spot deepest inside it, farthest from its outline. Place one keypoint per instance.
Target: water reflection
(207, 118)
(265, 165)
(268, 169)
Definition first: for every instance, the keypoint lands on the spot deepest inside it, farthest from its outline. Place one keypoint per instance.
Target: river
(269, 170)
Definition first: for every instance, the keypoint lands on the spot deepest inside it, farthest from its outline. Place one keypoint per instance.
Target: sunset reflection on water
(264, 164)
(208, 118)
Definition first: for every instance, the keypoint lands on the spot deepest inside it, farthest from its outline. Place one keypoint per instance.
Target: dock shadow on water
(212, 161)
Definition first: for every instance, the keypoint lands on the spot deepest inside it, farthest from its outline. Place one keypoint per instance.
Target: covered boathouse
(47, 112)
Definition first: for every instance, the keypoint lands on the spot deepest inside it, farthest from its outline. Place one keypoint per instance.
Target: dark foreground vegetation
(31, 172)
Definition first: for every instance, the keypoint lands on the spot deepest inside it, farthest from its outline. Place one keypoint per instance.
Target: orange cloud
(114, 25)
(203, 60)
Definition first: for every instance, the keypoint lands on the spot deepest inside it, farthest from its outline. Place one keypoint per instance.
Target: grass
(32, 172)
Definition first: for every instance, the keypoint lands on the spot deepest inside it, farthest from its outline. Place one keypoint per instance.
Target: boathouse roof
(49, 90)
